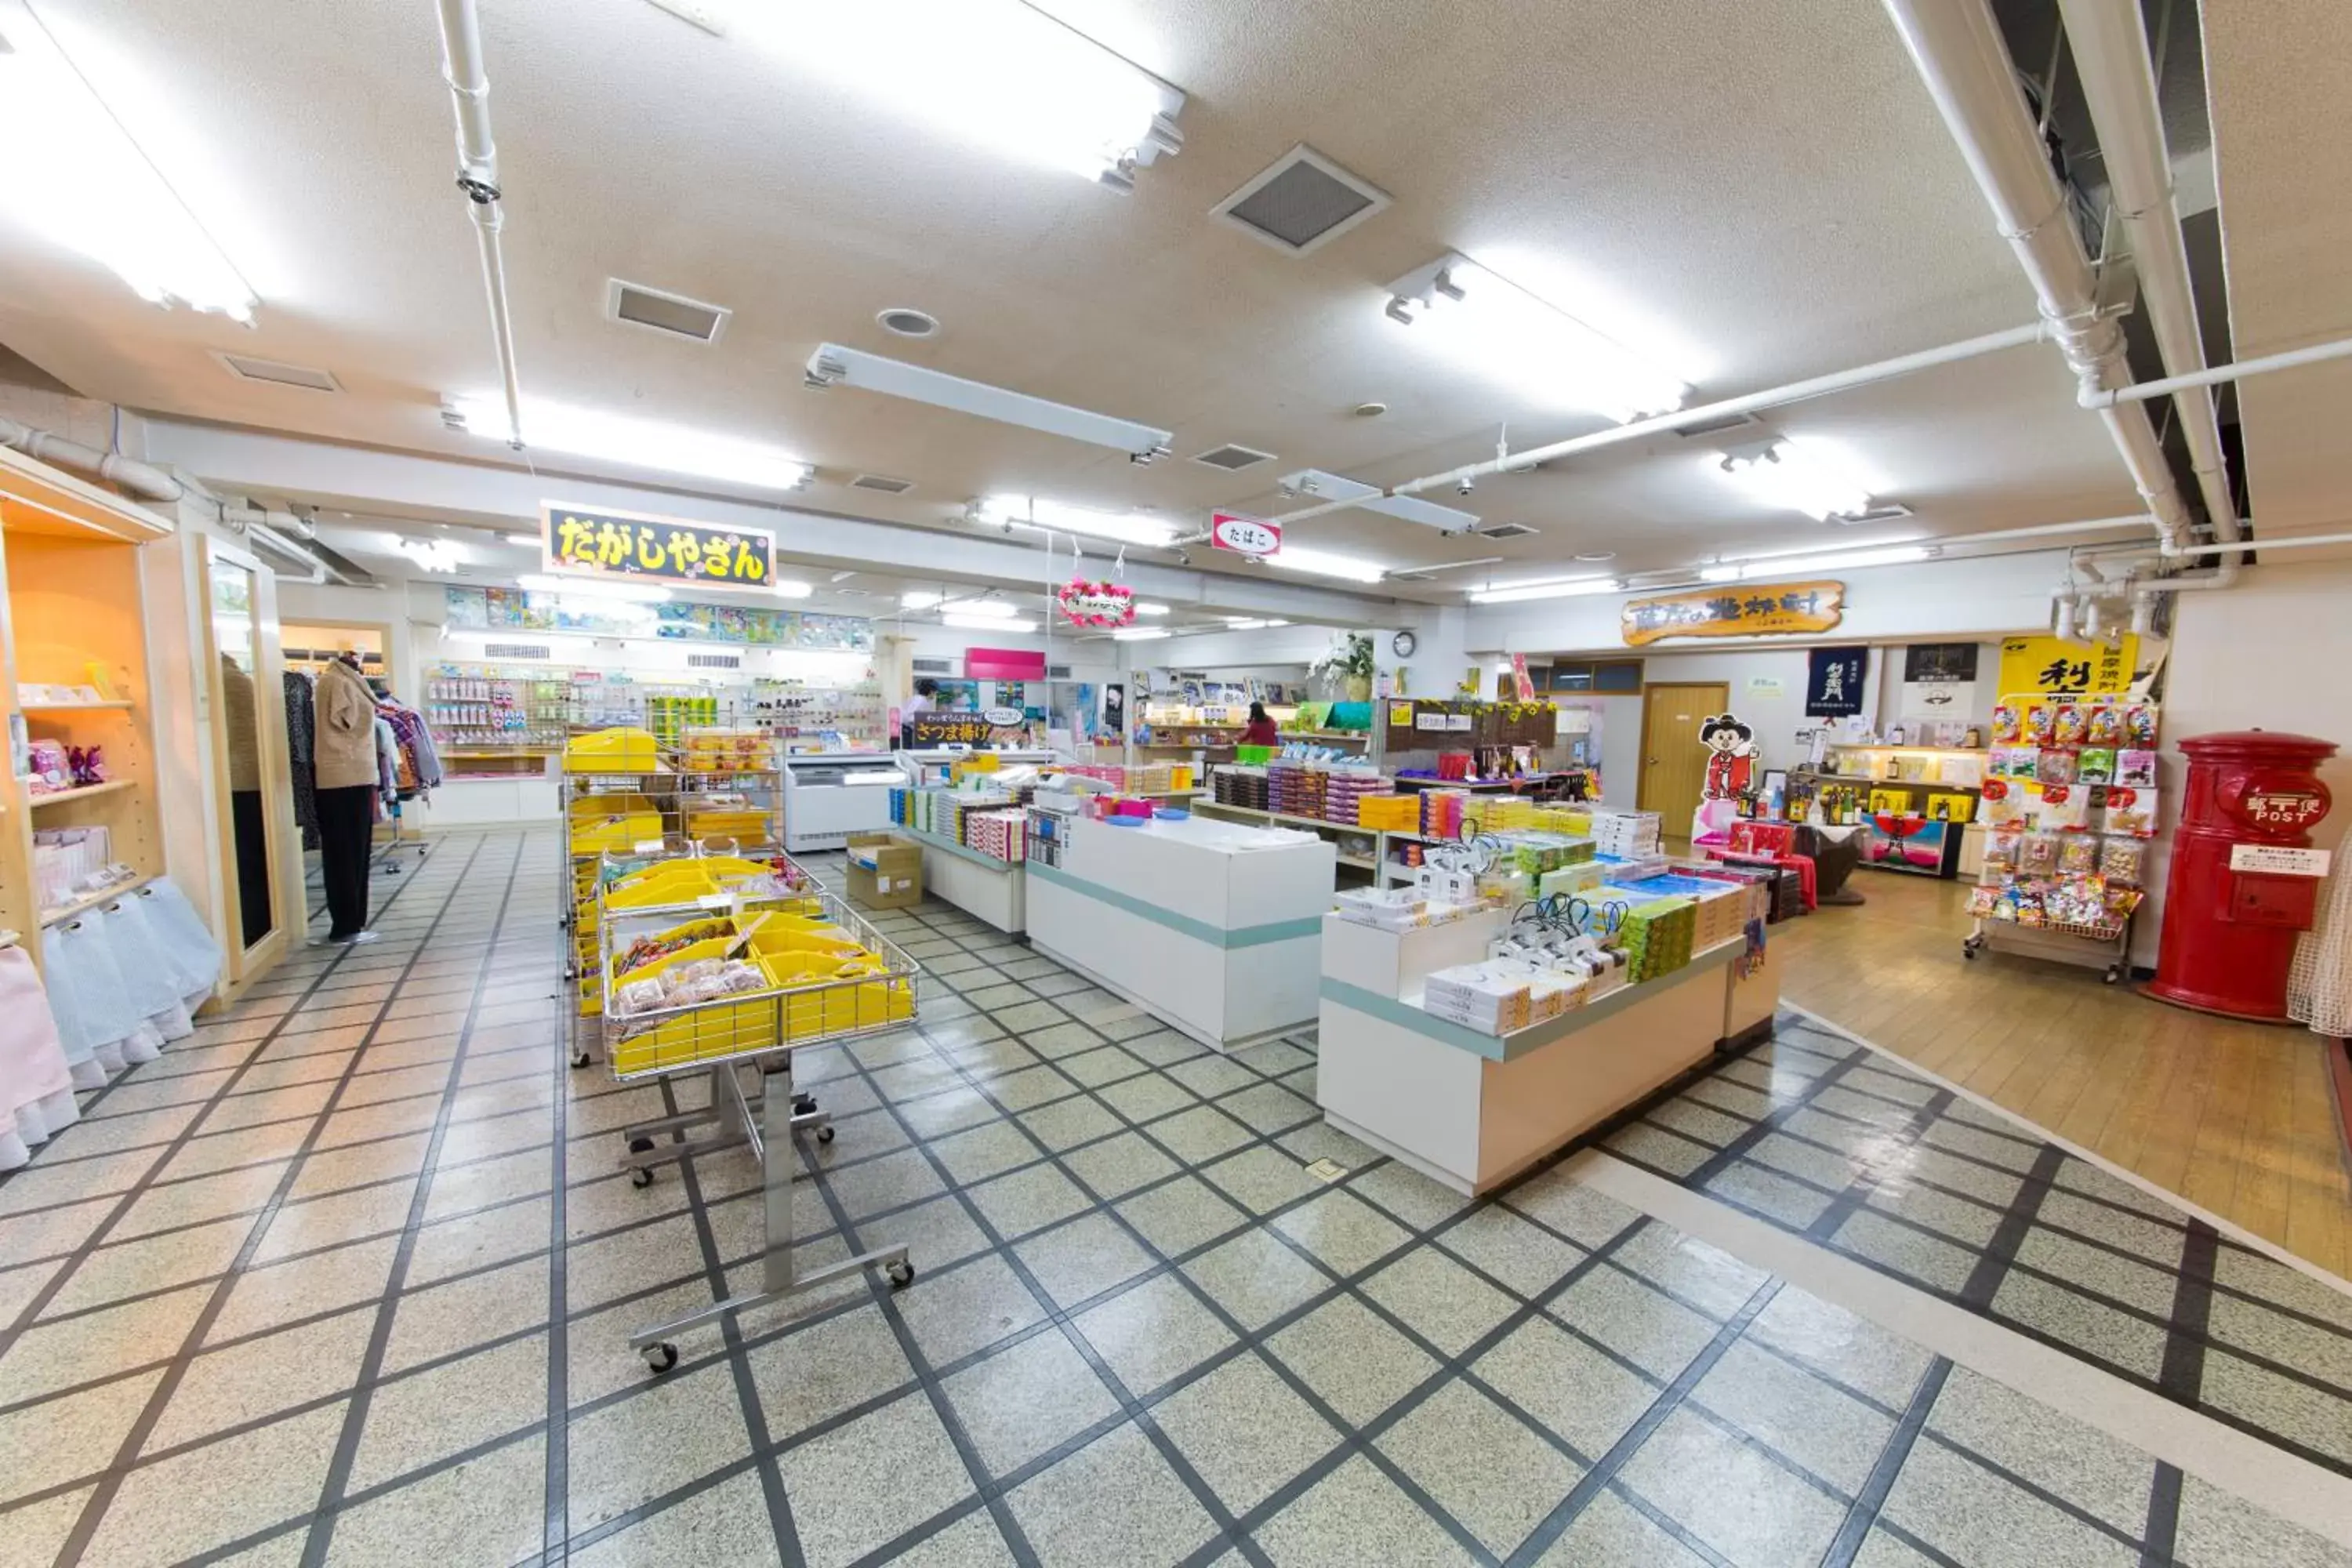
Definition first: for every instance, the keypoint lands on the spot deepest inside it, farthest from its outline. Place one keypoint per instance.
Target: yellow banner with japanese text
(602, 544)
(1739, 610)
(2048, 667)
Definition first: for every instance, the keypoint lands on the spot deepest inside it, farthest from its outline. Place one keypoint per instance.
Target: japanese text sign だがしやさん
(654, 549)
(1759, 609)
(2051, 667)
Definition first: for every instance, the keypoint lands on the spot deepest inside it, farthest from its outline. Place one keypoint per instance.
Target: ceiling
(1814, 216)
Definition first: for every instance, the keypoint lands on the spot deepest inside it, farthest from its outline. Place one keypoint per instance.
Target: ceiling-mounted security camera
(1466, 486)
(1183, 557)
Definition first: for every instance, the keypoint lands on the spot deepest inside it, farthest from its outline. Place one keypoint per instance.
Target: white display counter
(1211, 926)
(485, 802)
(830, 795)
(1473, 1109)
(981, 885)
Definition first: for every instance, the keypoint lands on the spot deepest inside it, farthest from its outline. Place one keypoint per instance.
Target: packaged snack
(2137, 768)
(2106, 725)
(2055, 765)
(2016, 762)
(2095, 765)
(2132, 811)
(2079, 853)
(2068, 726)
(2123, 860)
(2004, 724)
(1984, 900)
(2041, 717)
(1999, 854)
(2038, 852)
(2139, 725)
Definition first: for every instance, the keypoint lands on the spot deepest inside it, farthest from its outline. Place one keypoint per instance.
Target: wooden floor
(2238, 1119)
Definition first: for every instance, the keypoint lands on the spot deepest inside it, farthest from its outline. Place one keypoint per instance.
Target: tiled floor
(348, 1277)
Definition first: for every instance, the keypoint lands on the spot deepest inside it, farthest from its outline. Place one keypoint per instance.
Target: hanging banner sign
(1246, 535)
(2050, 667)
(1521, 681)
(1834, 679)
(1103, 603)
(589, 541)
(956, 729)
(1768, 609)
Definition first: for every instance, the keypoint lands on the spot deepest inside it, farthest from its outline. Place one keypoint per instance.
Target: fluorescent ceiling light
(1412, 509)
(1250, 623)
(1833, 561)
(994, 609)
(920, 599)
(1324, 563)
(989, 623)
(529, 540)
(432, 554)
(593, 588)
(1022, 512)
(1499, 330)
(639, 443)
(832, 365)
(78, 180)
(1797, 477)
(1140, 634)
(1566, 588)
(996, 73)
(791, 588)
(1146, 610)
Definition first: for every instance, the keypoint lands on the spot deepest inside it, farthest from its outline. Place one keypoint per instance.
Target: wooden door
(1673, 763)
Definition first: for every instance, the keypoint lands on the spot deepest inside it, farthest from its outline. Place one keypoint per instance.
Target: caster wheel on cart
(804, 1104)
(900, 1275)
(824, 1134)
(642, 1176)
(2115, 973)
(660, 1357)
(580, 1058)
(1967, 953)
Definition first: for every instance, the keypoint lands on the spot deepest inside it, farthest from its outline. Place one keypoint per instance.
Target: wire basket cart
(813, 974)
(2104, 945)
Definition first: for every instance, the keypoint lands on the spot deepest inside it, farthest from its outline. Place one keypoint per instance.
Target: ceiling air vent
(714, 662)
(278, 374)
(1057, 672)
(882, 482)
(1718, 427)
(657, 311)
(1504, 531)
(1231, 457)
(1885, 512)
(932, 666)
(504, 651)
(1303, 201)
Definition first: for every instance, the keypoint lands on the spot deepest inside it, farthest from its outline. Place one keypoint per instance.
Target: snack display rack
(2070, 807)
(706, 964)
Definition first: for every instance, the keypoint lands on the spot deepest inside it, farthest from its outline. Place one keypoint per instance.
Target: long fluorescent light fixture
(639, 443)
(80, 181)
(1325, 486)
(1566, 588)
(834, 365)
(1140, 634)
(1500, 330)
(1836, 561)
(997, 73)
(1797, 477)
(593, 588)
(1324, 563)
(791, 588)
(1059, 517)
(989, 623)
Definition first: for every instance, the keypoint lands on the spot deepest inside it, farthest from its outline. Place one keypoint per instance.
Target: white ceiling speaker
(907, 322)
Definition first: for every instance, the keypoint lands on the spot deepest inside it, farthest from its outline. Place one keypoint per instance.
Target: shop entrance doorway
(1673, 763)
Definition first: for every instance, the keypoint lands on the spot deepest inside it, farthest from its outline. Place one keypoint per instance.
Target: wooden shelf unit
(72, 597)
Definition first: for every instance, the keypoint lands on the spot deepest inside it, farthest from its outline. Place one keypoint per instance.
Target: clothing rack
(382, 849)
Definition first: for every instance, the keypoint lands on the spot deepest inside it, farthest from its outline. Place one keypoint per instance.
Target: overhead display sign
(2053, 667)
(589, 541)
(1246, 535)
(1090, 604)
(1762, 609)
(956, 729)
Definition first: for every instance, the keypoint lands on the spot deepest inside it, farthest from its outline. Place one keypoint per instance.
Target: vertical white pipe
(477, 177)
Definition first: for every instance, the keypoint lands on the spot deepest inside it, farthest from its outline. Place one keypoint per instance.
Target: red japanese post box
(2244, 883)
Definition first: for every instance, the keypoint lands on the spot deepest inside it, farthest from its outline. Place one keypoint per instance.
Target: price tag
(646, 846)
(2276, 860)
(1458, 722)
(716, 901)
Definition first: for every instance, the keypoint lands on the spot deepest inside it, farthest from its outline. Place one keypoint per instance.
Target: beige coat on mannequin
(344, 709)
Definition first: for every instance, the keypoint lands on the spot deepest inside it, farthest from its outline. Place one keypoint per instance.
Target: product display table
(1212, 926)
(1473, 1109)
(981, 885)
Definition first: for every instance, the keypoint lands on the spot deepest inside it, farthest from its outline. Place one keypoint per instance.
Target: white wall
(2270, 654)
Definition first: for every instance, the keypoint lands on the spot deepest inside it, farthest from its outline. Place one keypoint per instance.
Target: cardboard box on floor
(894, 879)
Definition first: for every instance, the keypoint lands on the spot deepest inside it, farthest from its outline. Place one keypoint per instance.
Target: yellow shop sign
(654, 549)
(2048, 666)
(1750, 609)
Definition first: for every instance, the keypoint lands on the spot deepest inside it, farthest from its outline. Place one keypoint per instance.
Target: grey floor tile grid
(1839, 1143)
(1126, 1352)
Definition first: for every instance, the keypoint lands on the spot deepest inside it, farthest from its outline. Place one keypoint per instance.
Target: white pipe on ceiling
(1957, 46)
(1771, 397)
(2262, 365)
(477, 177)
(143, 480)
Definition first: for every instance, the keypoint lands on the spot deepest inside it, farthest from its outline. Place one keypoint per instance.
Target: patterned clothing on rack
(418, 765)
(298, 745)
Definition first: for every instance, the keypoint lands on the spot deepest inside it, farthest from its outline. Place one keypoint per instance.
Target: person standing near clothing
(344, 758)
(1260, 730)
